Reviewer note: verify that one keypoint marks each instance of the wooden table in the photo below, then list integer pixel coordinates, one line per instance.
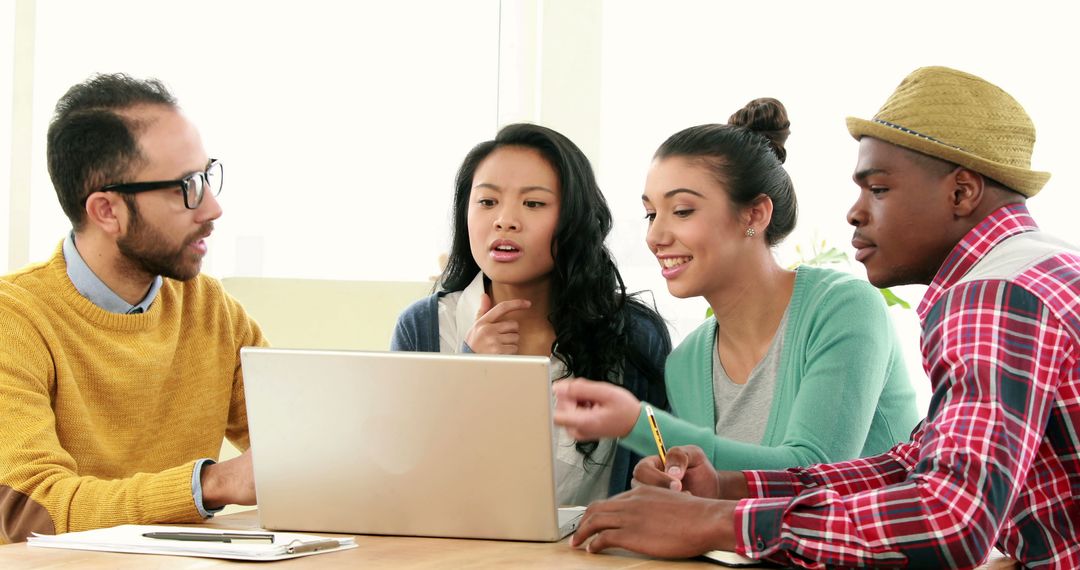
(373, 552)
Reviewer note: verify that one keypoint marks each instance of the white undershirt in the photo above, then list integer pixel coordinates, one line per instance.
(575, 484)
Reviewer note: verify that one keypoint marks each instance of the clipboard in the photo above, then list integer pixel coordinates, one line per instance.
(734, 560)
(130, 539)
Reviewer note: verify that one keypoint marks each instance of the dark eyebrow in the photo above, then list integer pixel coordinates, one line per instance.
(674, 192)
(538, 188)
(524, 189)
(864, 174)
(194, 172)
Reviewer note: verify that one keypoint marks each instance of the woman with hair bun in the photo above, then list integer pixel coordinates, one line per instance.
(794, 367)
(528, 273)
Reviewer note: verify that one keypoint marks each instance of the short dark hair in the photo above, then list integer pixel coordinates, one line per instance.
(90, 142)
(940, 167)
(747, 157)
(932, 164)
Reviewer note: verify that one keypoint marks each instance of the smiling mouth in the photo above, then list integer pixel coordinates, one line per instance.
(669, 262)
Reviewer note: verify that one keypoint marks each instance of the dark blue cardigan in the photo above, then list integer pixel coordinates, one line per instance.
(417, 330)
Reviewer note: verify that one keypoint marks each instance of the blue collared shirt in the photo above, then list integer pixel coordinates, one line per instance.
(97, 292)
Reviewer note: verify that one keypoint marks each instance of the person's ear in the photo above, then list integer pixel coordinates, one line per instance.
(758, 214)
(969, 189)
(107, 211)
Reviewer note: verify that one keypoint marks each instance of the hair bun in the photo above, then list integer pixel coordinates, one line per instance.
(767, 117)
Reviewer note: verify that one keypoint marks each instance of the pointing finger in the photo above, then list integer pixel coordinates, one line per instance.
(502, 309)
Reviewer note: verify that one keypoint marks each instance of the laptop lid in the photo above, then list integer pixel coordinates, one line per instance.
(402, 443)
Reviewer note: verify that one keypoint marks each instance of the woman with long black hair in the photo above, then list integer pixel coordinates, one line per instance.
(528, 273)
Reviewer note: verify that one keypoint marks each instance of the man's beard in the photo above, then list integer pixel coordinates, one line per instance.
(148, 251)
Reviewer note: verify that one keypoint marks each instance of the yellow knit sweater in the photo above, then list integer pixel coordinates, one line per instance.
(103, 415)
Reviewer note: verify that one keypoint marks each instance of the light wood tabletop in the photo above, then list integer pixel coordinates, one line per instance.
(373, 552)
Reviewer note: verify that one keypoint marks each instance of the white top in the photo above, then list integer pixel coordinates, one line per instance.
(575, 483)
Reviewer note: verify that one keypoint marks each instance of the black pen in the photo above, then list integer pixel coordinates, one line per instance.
(210, 536)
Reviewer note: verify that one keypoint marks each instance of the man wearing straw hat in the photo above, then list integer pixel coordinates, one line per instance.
(943, 175)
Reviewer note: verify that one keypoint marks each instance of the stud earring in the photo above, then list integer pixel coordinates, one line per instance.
(751, 232)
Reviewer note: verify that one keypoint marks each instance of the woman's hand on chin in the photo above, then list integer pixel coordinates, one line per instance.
(495, 330)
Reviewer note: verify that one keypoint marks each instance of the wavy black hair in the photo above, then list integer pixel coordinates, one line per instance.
(747, 157)
(591, 312)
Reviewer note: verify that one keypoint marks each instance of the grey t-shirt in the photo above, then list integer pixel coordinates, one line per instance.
(742, 410)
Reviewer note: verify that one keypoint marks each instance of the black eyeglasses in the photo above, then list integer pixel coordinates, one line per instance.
(194, 185)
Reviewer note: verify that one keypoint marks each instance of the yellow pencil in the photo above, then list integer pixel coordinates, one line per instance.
(656, 436)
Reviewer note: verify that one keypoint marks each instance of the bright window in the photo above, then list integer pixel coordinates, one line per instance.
(340, 124)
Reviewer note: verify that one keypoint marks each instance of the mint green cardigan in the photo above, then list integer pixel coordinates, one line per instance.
(843, 390)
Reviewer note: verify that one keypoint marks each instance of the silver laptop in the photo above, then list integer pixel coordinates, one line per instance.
(403, 443)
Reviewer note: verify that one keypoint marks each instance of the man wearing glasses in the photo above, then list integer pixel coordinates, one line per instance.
(119, 362)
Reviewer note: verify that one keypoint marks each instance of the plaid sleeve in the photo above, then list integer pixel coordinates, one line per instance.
(997, 355)
(847, 477)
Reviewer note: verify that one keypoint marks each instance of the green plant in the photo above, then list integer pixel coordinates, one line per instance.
(821, 254)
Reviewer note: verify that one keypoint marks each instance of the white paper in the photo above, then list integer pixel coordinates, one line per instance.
(129, 538)
(728, 558)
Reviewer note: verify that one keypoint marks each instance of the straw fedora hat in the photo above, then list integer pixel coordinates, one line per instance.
(961, 118)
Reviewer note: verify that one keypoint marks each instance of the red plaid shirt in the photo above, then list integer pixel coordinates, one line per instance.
(996, 461)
